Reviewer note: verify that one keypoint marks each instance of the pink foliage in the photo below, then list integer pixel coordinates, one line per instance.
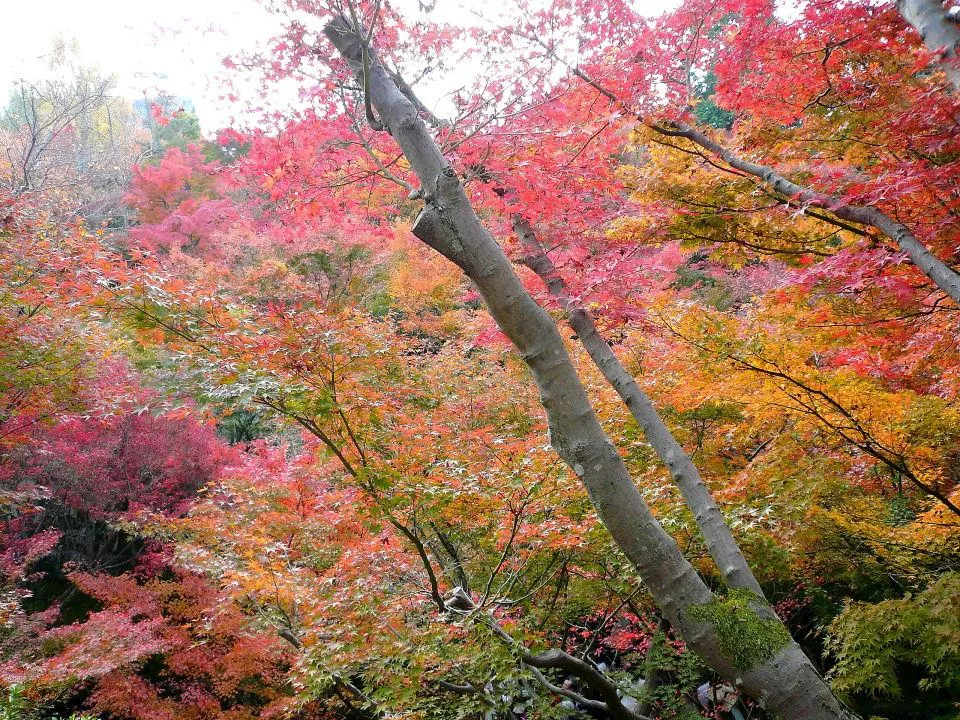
(119, 465)
(180, 203)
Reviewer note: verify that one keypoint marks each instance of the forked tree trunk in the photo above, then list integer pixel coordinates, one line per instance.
(741, 638)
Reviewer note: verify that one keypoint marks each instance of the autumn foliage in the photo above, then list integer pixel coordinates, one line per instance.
(263, 454)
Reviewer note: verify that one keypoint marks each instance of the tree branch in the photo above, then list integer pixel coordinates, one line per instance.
(933, 267)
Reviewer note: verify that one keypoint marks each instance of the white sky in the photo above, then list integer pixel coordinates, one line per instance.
(174, 46)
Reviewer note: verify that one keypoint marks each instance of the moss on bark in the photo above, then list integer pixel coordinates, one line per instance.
(746, 638)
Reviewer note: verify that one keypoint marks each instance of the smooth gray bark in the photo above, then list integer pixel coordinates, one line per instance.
(939, 33)
(786, 683)
(716, 533)
(933, 267)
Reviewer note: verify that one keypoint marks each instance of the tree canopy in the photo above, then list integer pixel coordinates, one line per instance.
(550, 360)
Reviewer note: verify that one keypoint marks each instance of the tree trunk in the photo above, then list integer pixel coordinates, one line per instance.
(939, 33)
(720, 542)
(776, 672)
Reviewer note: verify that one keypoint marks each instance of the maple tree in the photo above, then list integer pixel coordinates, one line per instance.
(264, 454)
(44, 356)
(449, 225)
(397, 106)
